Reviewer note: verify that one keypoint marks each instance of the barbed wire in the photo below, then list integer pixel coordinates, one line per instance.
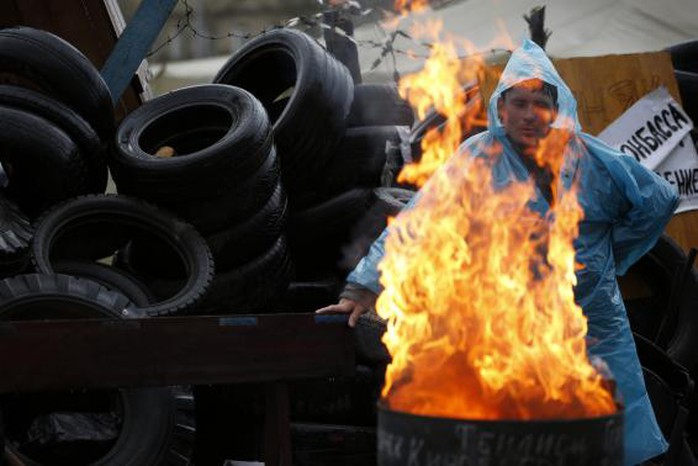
(351, 8)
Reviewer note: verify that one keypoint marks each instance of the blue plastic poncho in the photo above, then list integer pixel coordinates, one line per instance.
(626, 207)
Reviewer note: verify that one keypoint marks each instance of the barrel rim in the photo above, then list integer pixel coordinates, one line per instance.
(618, 415)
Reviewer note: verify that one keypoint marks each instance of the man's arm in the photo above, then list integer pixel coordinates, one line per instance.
(651, 203)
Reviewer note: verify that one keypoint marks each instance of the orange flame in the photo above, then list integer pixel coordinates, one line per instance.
(405, 6)
(477, 287)
(447, 84)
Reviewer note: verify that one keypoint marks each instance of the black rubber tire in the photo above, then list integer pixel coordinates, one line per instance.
(386, 202)
(16, 232)
(152, 425)
(379, 105)
(245, 241)
(87, 141)
(656, 271)
(220, 134)
(111, 278)
(350, 399)
(669, 386)
(233, 206)
(41, 170)
(368, 333)
(61, 71)
(358, 161)
(684, 55)
(94, 227)
(688, 88)
(390, 201)
(433, 121)
(318, 234)
(311, 125)
(43, 296)
(255, 287)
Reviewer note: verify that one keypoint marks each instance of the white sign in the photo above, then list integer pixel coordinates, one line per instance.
(650, 129)
(680, 168)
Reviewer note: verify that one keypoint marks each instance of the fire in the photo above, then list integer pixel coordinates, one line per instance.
(478, 288)
(405, 6)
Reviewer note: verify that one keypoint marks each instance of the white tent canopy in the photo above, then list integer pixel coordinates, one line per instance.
(579, 28)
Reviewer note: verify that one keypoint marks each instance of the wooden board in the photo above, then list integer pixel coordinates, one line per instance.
(106, 353)
(607, 86)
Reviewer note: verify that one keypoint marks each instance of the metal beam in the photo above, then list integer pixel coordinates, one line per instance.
(134, 44)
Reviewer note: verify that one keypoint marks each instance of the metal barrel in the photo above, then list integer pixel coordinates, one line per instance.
(407, 439)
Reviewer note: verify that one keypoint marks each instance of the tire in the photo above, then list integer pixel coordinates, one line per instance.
(435, 121)
(379, 105)
(233, 206)
(310, 127)
(15, 235)
(684, 56)
(87, 141)
(358, 161)
(41, 170)
(110, 278)
(370, 349)
(349, 400)
(220, 134)
(243, 242)
(688, 88)
(61, 71)
(257, 286)
(317, 234)
(656, 271)
(386, 202)
(390, 201)
(148, 432)
(60, 296)
(94, 227)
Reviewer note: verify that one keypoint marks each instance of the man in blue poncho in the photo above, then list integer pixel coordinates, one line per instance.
(626, 207)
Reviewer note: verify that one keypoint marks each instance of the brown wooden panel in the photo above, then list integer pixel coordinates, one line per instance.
(172, 351)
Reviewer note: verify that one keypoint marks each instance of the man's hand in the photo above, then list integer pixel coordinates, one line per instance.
(345, 306)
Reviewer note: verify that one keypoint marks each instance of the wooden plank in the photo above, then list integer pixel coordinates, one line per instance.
(277, 427)
(173, 350)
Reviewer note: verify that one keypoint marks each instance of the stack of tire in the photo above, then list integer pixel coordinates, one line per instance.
(333, 140)
(206, 153)
(684, 57)
(56, 120)
(111, 427)
(56, 125)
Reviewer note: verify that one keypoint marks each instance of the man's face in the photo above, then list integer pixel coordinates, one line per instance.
(526, 114)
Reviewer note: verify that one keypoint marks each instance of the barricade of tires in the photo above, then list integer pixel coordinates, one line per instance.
(219, 172)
